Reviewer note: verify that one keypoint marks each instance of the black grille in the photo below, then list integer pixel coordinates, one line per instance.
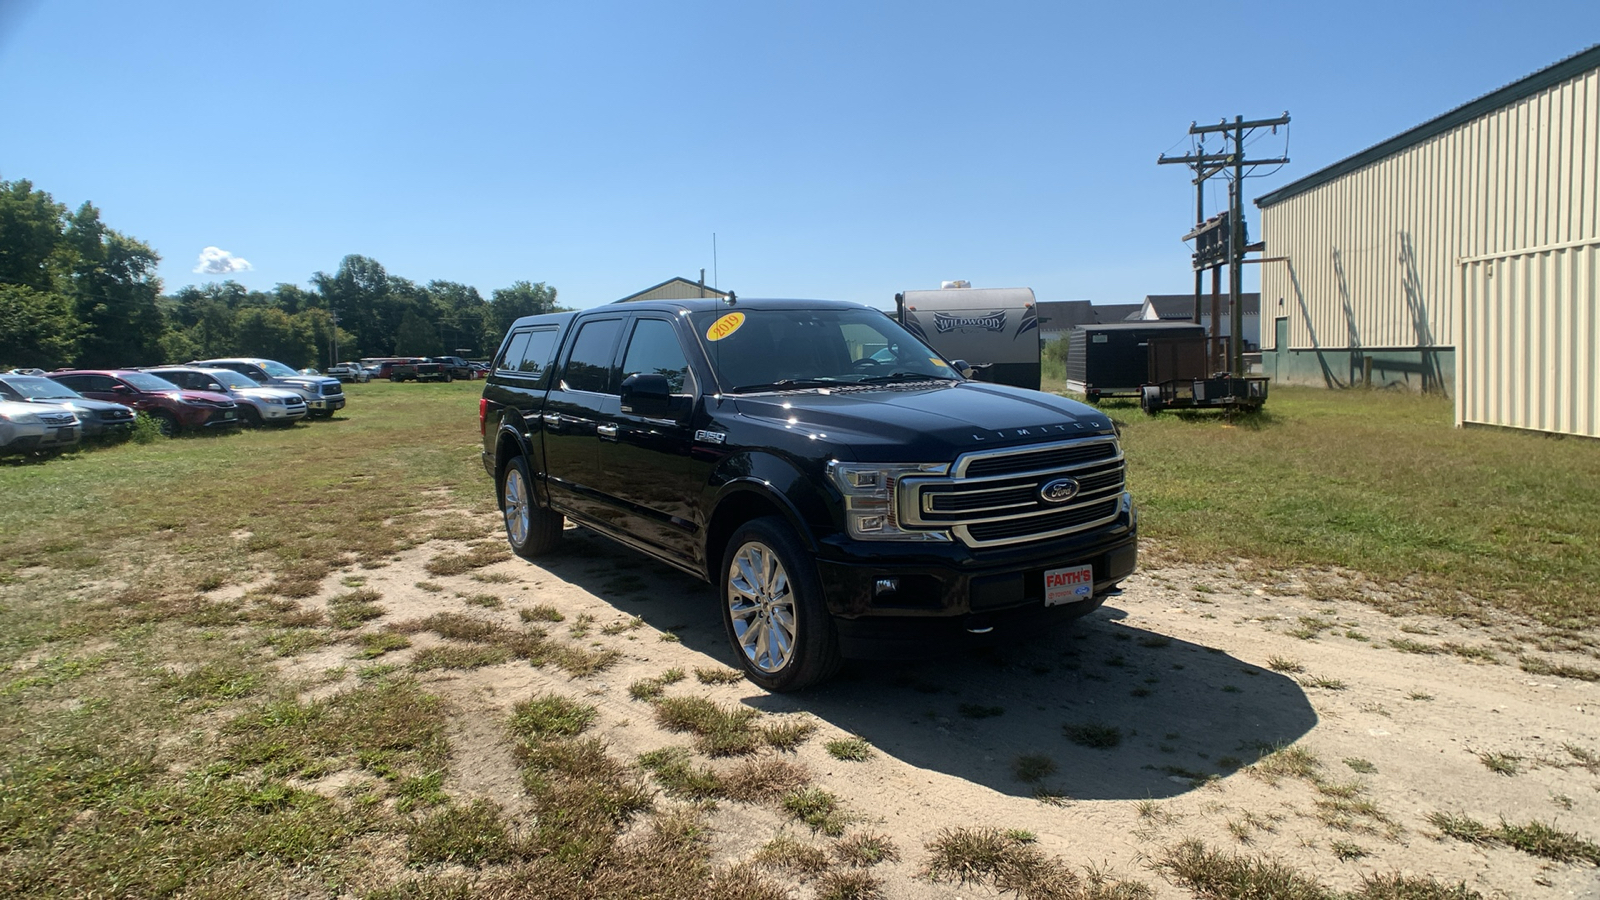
(1013, 528)
(1055, 458)
(949, 502)
(963, 497)
(329, 390)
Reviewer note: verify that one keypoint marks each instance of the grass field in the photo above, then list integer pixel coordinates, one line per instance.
(149, 746)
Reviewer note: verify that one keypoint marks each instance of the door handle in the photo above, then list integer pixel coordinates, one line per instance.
(606, 432)
(551, 418)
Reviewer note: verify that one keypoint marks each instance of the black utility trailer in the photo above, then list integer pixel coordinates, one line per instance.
(1178, 380)
(1113, 360)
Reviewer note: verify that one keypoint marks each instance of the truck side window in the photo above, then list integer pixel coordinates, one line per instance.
(589, 363)
(535, 363)
(654, 350)
(511, 360)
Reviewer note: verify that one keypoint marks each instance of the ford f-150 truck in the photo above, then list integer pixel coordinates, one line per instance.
(847, 490)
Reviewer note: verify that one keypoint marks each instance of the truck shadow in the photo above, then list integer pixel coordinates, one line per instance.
(1096, 710)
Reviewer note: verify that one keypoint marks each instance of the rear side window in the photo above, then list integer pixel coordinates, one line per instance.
(589, 364)
(511, 360)
(528, 354)
(654, 349)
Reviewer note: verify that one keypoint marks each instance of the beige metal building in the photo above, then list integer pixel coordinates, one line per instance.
(1462, 255)
(676, 289)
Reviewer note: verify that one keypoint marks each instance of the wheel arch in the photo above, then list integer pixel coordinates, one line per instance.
(741, 502)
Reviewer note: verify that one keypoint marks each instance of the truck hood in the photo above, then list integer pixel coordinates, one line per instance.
(881, 425)
(309, 381)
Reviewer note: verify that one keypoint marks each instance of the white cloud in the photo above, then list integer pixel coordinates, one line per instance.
(217, 261)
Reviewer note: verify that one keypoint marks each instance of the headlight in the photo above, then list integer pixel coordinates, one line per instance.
(21, 418)
(275, 401)
(869, 498)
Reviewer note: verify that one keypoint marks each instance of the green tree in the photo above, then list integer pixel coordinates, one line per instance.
(114, 289)
(360, 293)
(37, 328)
(512, 303)
(416, 336)
(272, 333)
(31, 237)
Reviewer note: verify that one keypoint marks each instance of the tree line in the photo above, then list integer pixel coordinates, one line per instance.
(74, 292)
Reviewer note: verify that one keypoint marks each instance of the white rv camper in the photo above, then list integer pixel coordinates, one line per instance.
(994, 330)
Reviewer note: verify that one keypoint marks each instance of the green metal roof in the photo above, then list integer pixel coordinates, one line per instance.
(1568, 68)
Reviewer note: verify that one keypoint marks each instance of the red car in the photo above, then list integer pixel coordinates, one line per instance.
(173, 408)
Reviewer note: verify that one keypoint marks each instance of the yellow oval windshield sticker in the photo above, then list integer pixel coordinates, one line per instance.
(725, 326)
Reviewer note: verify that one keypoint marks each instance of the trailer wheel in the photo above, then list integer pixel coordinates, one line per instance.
(1150, 399)
(1093, 398)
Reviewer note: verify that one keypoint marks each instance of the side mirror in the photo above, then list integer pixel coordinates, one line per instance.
(962, 367)
(646, 395)
(213, 386)
(121, 389)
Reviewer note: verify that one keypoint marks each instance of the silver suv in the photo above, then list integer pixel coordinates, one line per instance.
(324, 396)
(258, 405)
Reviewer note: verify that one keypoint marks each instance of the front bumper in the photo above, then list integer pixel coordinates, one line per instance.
(23, 438)
(272, 413)
(222, 418)
(325, 404)
(947, 593)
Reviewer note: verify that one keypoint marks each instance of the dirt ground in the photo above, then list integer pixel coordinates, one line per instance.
(1195, 672)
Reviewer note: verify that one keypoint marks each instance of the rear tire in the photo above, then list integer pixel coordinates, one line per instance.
(251, 417)
(772, 609)
(166, 423)
(530, 530)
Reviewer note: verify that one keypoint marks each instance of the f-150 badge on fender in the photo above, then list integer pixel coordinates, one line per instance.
(710, 437)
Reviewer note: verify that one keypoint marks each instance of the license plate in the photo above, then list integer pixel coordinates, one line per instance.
(228, 414)
(1069, 585)
(64, 433)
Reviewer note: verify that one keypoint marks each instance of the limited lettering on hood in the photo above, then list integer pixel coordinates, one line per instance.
(1050, 430)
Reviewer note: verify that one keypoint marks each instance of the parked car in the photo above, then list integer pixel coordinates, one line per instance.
(30, 428)
(324, 396)
(173, 408)
(384, 366)
(349, 371)
(257, 405)
(844, 505)
(98, 418)
(454, 366)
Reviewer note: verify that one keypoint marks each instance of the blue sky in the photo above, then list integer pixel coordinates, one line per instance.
(844, 150)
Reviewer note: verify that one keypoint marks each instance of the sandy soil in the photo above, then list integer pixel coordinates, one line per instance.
(1182, 665)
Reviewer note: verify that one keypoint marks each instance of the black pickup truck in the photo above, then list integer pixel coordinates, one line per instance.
(849, 492)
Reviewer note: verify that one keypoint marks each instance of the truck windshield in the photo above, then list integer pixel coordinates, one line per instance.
(778, 349)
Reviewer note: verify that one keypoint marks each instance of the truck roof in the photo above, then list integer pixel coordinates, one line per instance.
(695, 305)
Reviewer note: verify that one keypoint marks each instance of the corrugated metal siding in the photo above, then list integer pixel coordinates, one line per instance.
(677, 290)
(1529, 335)
(1372, 255)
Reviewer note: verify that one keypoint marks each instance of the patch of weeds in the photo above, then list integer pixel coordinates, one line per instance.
(1347, 850)
(668, 637)
(461, 563)
(653, 688)
(295, 641)
(1230, 689)
(492, 577)
(1477, 654)
(1285, 665)
(618, 627)
(1021, 836)
(376, 672)
(1584, 757)
(1419, 695)
(1151, 811)
(376, 644)
(1415, 629)
(1204, 589)
(677, 774)
(787, 853)
(1360, 765)
(1535, 838)
(819, 809)
(1407, 645)
(1533, 665)
(1561, 800)
(851, 749)
(789, 733)
(1288, 762)
(1093, 735)
(581, 662)
(978, 711)
(990, 856)
(718, 676)
(1032, 768)
(421, 790)
(1342, 808)
(458, 656)
(487, 601)
(1140, 692)
(865, 849)
(543, 612)
(1212, 873)
(1051, 796)
(213, 682)
(471, 836)
(1396, 886)
(1501, 763)
(550, 715)
(850, 884)
(348, 611)
(580, 626)
(718, 731)
(1326, 684)
(1117, 661)
(765, 778)
(1311, 627)
(1154, 640)
(432, 587)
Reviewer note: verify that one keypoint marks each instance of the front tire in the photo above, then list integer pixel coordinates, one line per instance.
(166, 423)
(530, 530)
(772, 609)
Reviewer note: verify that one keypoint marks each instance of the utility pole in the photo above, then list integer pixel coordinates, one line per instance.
(1225, 235)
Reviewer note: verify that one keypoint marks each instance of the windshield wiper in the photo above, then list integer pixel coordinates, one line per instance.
(784, 385)
(904, 376)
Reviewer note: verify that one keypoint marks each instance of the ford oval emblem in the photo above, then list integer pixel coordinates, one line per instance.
(1059, 491)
